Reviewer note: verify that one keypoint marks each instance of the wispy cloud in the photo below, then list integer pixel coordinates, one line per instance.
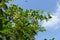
(54, 20)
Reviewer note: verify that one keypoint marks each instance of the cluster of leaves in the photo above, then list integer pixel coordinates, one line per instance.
(19, 24)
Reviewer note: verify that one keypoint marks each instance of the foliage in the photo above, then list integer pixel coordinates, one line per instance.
(17, 24)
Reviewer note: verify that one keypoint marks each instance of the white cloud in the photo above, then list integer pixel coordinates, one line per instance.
(57, 12)
(54, 20)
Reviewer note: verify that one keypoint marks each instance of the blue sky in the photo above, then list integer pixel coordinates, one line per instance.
(53, 25)
(47, 5)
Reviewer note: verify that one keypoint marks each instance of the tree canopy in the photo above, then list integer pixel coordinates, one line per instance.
(19, 24)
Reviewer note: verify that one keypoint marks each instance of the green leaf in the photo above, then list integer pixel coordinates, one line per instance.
(42, 29)
(1, 24)
(52, 38)
(45, 18)
(1, 12)
(45, 39)
(41, 17)
(49, 16)
(14, 7)
(20, 9)
(5, 7)
(0, 1)
(36, 11)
